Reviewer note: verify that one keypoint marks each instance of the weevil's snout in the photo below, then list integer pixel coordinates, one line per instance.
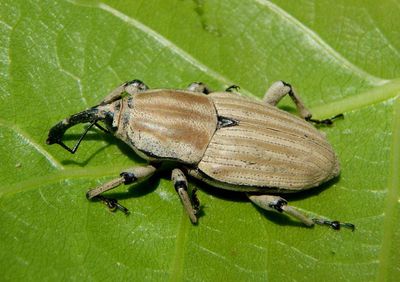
(50, 141)
(57, 132)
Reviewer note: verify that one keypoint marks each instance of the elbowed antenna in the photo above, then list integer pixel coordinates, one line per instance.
(57, 131)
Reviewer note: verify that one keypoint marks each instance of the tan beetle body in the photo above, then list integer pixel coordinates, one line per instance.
(267, 149)
(224, 139)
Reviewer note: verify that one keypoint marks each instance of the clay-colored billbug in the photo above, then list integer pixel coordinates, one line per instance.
(221, 138)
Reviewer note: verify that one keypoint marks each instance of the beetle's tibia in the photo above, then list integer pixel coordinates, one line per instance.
(104, 187)
(190, 202)
(280, 89)
(297, 214)
(276, 203)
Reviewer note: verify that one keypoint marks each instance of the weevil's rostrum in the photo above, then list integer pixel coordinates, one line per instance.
(221, 138)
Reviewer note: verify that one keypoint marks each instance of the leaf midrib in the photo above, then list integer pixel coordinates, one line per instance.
(375, 95)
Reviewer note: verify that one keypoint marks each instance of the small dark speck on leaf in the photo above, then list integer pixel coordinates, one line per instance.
(199, 9)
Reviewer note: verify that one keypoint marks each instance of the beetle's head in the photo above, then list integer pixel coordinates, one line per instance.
(107, 112)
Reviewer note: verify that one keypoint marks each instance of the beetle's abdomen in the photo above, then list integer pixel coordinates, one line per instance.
(172, 124)
(268, 148)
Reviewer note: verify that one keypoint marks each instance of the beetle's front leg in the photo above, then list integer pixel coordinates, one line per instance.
(130, 87)
(276, 203)
(280, 89)
(132, 175)
(189, 200)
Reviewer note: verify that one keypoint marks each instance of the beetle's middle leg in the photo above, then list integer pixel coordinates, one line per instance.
(280, 89)
(189, 199)
(199, 87)
(276, 203)
(129, 176)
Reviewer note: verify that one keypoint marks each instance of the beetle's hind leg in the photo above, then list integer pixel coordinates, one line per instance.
(280, 89)
(188, 198)
(129, 176)
(278, 204)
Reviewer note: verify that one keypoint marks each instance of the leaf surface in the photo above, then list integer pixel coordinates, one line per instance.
(59, 57)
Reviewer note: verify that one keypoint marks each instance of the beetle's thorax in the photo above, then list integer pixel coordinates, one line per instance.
(166, 124)
(109, 114)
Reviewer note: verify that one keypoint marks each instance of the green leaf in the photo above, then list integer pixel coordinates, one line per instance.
(59, 57)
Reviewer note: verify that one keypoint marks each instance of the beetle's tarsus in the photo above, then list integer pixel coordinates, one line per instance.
(328, 121)
(232, 87)
(336, 225)
(317, 121)
(195, 201)
(113, 204)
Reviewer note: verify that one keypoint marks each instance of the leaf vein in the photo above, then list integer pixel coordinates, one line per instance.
(170, 45)
(29, 140)
(389, 226)
(316, 41)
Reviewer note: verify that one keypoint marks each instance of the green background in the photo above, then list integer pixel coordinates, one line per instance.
(60, 57)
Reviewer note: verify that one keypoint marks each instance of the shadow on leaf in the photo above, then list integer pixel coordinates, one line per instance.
(110, 139)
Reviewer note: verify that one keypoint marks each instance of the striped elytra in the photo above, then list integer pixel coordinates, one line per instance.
(269, 148)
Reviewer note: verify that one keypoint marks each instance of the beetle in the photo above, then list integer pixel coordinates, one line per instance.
(224, 139)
